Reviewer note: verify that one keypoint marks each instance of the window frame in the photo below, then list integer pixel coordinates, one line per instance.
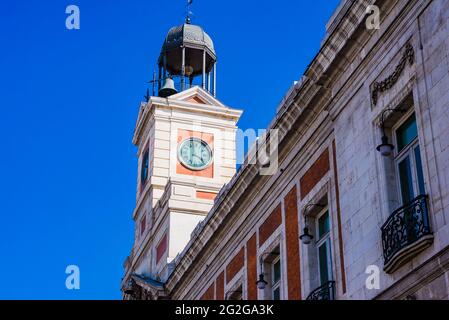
(326, 238)
(407, 151)
(143, 225)
(278, 284)
(145, 159)
(235, 293)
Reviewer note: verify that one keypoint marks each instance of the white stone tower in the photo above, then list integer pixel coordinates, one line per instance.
(186, 151)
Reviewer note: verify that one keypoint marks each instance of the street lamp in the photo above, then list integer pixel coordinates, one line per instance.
(307, 237)
(262, 283)
(386, 148)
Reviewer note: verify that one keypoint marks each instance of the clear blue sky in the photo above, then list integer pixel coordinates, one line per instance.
(69, 102)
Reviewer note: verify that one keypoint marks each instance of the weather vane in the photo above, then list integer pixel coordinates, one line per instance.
(189, 13)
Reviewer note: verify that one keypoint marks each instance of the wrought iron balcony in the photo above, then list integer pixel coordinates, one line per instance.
(406, 233)
(325, 292)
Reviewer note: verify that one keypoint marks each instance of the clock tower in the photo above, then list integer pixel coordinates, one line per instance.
(186, 153)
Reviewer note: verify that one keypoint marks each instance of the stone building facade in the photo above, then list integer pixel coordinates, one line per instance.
(378, 221)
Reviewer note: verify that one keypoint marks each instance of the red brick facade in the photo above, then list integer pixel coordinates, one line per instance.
(315, 174)
(249, 253)
(210, 293)
(219, 287)
(270, 225)
(235, 265)
(292, 245)
(251, 267)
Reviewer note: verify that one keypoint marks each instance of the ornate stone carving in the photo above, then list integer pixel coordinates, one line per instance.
(390, 81)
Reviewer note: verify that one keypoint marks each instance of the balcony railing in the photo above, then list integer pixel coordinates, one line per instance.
(325, 292)
(406, 232)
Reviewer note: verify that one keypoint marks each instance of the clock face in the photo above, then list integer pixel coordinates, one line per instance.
(195, 154)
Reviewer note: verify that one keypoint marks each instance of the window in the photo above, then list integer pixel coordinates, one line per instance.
(408, 161)
(235, 295)
(324, 247)
(276, 279)
(143, 224)
(407, 231)
(145, 167)
(161, 249)
(271, 268)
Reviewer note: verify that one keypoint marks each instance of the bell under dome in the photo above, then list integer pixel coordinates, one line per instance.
(198, 46)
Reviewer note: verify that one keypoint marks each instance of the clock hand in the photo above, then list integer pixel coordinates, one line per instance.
(196, 160)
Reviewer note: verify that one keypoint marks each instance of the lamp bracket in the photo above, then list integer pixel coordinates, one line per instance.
(310, 205)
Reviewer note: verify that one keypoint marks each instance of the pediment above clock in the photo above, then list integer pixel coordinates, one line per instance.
(195, 99)
(197, 95)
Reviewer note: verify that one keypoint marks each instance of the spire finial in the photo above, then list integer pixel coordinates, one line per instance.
(188, 12)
